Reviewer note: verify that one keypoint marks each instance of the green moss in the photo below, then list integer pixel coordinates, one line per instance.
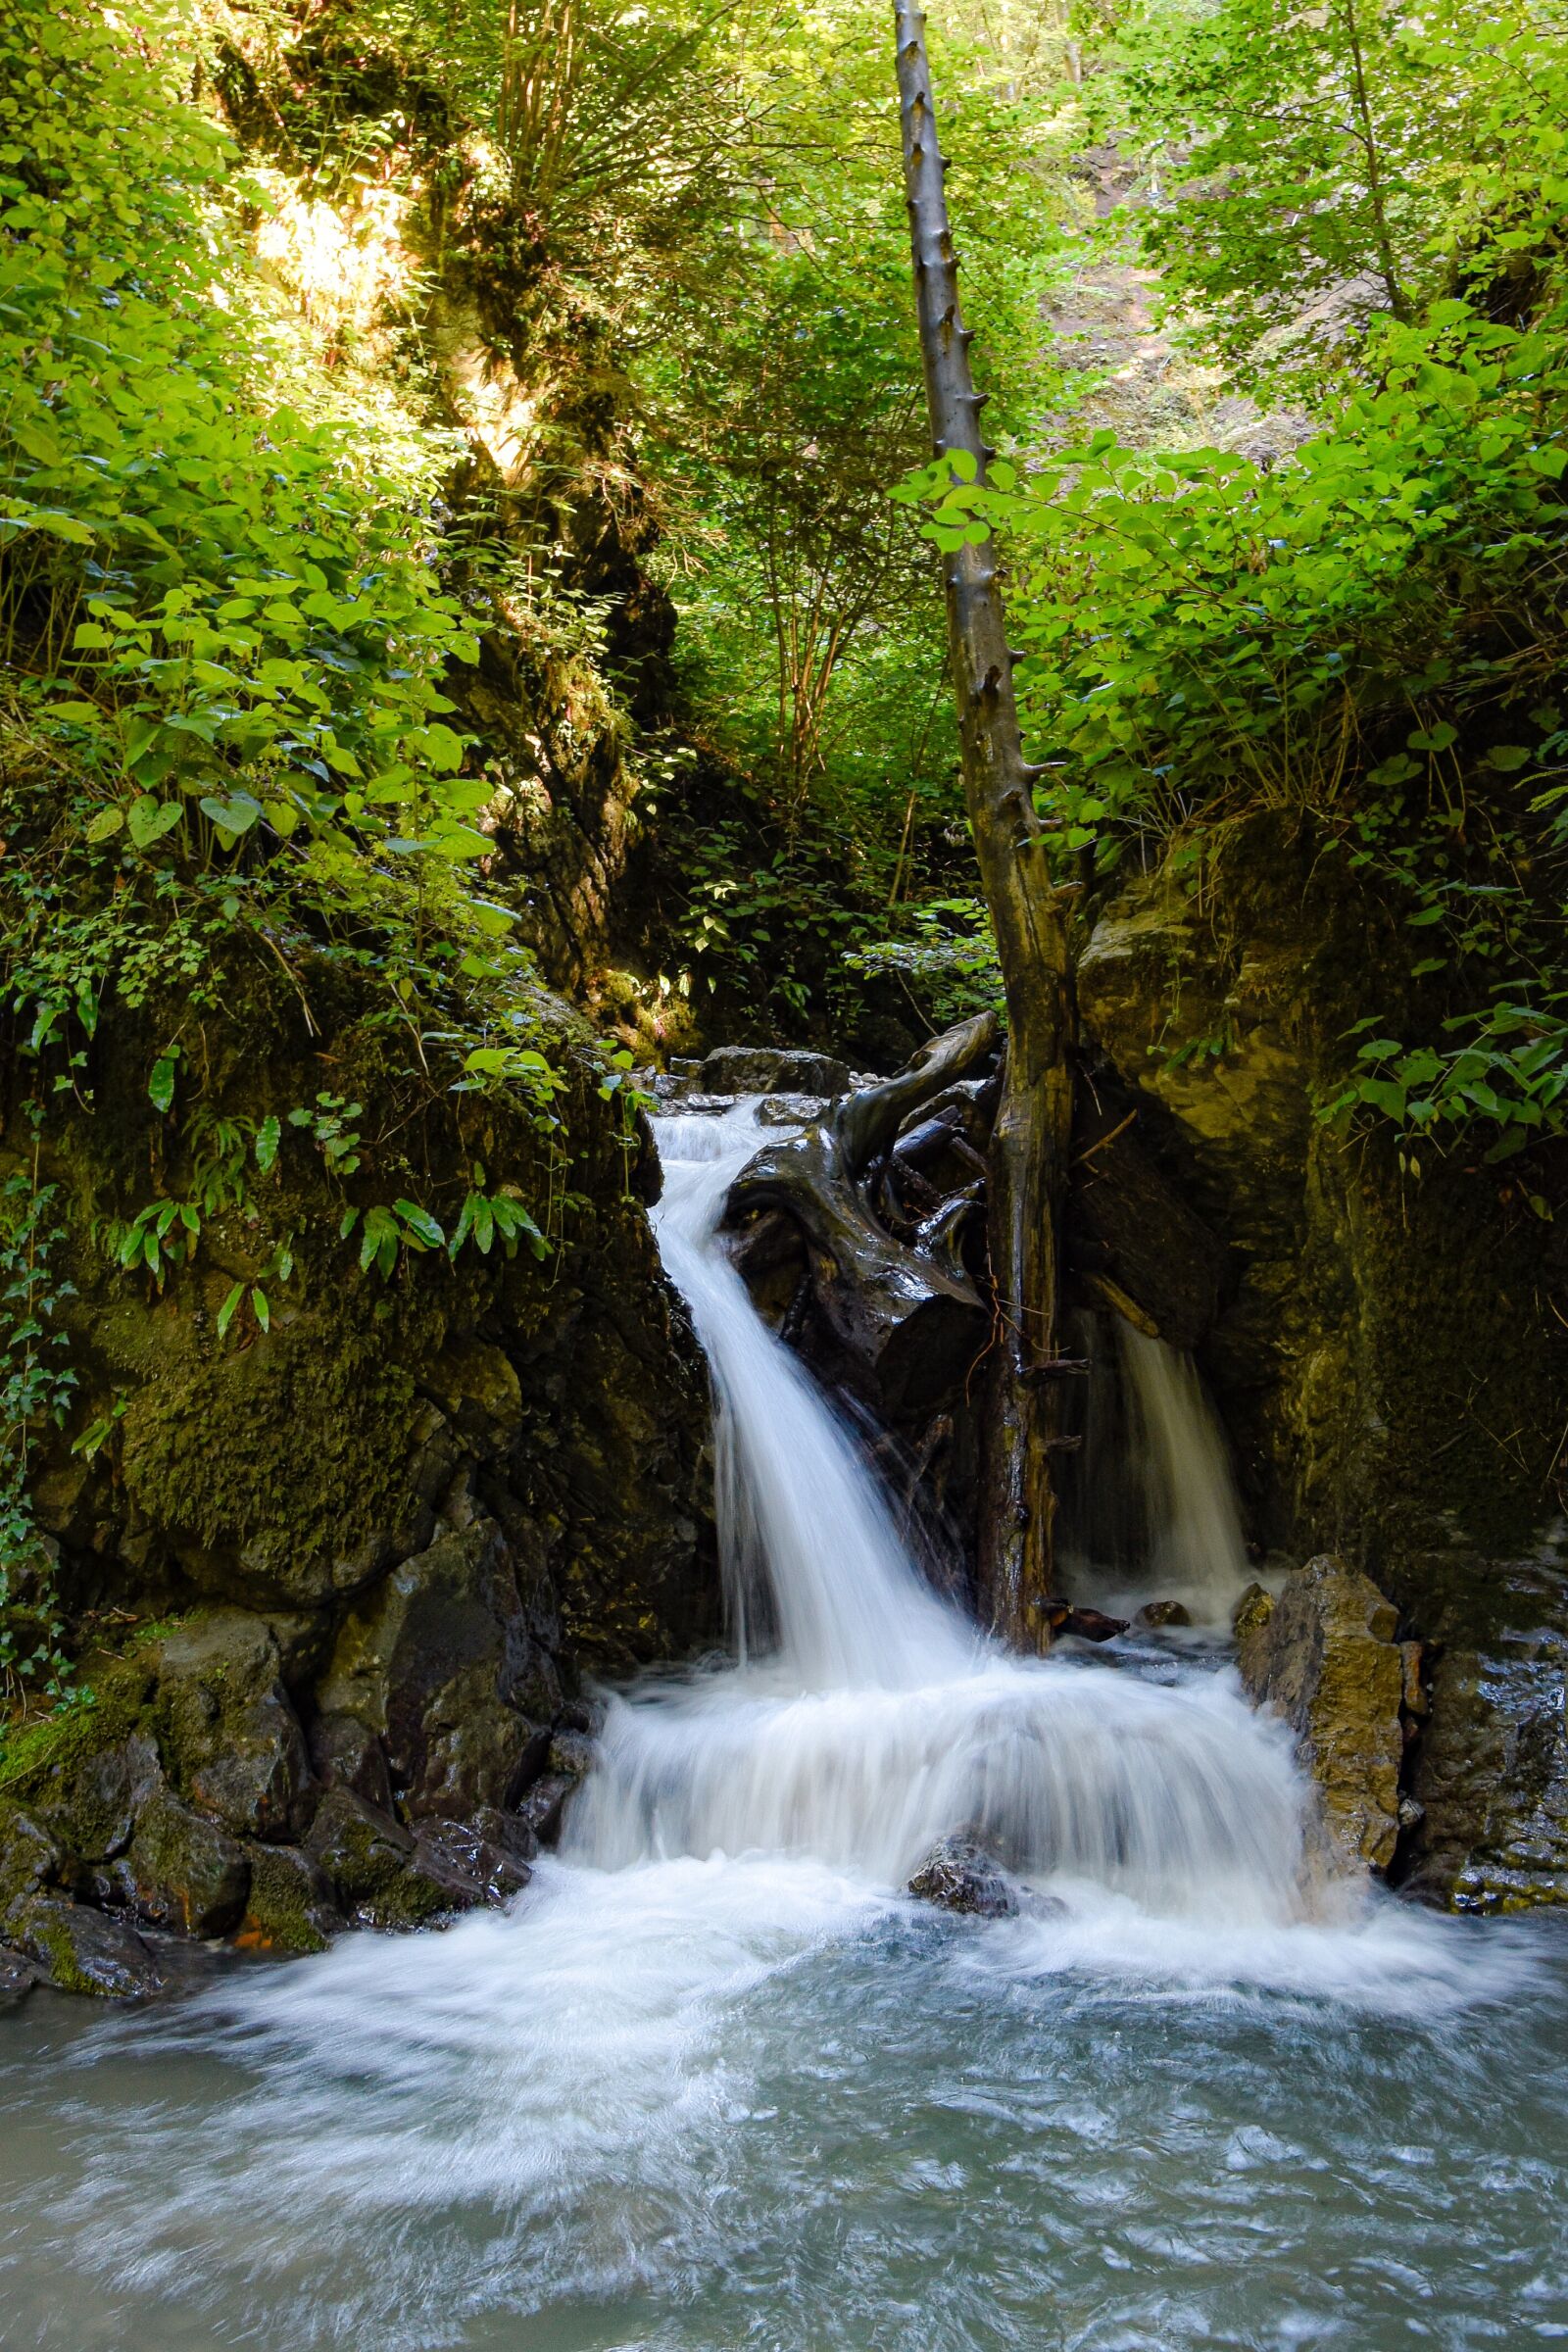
(300, 1446)
(68, 1737)
(59, 1954)
(284, 1912)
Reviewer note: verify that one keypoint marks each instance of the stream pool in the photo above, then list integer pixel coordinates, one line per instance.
(701, 2106)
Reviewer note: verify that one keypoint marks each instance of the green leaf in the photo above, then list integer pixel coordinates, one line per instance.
(420, 1222)
(161, 1085)
(1385, 1095)
(150, 818)
(225, 1313)
(233, 816)
(260, 1307)
(106, 824)
(268, 1137)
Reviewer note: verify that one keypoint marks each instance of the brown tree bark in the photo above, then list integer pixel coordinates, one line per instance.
(1030, 1151)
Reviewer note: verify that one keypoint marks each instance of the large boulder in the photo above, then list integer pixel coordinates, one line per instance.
(227, 1728)
(446, 1668)
(1325, 1657)
(773, 1070)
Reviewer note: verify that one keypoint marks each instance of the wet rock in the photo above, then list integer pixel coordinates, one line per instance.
(93, 1813)
(1063, 1617)
(231, 1741)
(345, 1754)
(572, 1753)
(291, 1905)
(1353, 1294)
(29, 1861)
(382, 1873)
(1128, 1225)
(543, 1806)
(18, 1975)
(441, 1666)
(1254, 1608)
(769, 1071)
(961, 1874)
(790, 1110)
(490, 1854)
(1163, 1612)
(1326, 1658)
(181, 1871)
(360, 1848)
(79, 1951)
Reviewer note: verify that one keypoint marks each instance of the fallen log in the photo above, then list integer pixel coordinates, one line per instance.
(905, 1313)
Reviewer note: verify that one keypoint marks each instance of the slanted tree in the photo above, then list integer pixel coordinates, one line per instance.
(1028, 916)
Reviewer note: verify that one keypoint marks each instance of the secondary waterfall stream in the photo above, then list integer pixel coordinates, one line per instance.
(714, 2082)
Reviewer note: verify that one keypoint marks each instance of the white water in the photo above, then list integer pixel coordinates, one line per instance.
(714, 2080)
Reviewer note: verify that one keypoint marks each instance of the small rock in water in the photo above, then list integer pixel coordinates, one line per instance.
(1163, 1612)
(1090, 1625)
(17, 1975)
(1254, 1608)
(960, 1873)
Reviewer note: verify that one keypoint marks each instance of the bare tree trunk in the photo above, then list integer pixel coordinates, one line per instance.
(1029, 1155)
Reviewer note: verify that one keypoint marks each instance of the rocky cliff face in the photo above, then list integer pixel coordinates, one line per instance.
(1383, 1345)
(334, 1585)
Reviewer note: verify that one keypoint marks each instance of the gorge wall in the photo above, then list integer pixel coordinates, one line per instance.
(1384, 1345)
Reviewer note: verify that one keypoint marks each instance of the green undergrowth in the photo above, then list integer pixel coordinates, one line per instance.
(232, 605)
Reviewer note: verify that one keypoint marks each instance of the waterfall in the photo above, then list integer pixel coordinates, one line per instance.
(876, 1719)
(1149, 1506)
(713, 2068)
(1196, 1555)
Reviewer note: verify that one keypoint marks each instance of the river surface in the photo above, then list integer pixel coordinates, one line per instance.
(713, 2083)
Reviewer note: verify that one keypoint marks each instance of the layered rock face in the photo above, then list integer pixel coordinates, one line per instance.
(1381, 1342)
(1325, 1656)
(333, 1587)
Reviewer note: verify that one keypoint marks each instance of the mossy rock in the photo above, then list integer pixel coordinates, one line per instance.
(47, 1755)
(290, 1908)
(183, 1871)
(81, 1951)
(290, 1475)
(229, 1737)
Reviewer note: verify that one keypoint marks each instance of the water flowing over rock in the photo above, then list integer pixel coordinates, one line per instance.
(865, 1716)
(1381, 1348)
(960, 1873)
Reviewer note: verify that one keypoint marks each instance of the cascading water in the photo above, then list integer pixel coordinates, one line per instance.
(881, 1721)
(713, 2083)
(1196, 1556)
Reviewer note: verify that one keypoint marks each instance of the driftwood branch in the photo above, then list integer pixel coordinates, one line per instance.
(900, 1308)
